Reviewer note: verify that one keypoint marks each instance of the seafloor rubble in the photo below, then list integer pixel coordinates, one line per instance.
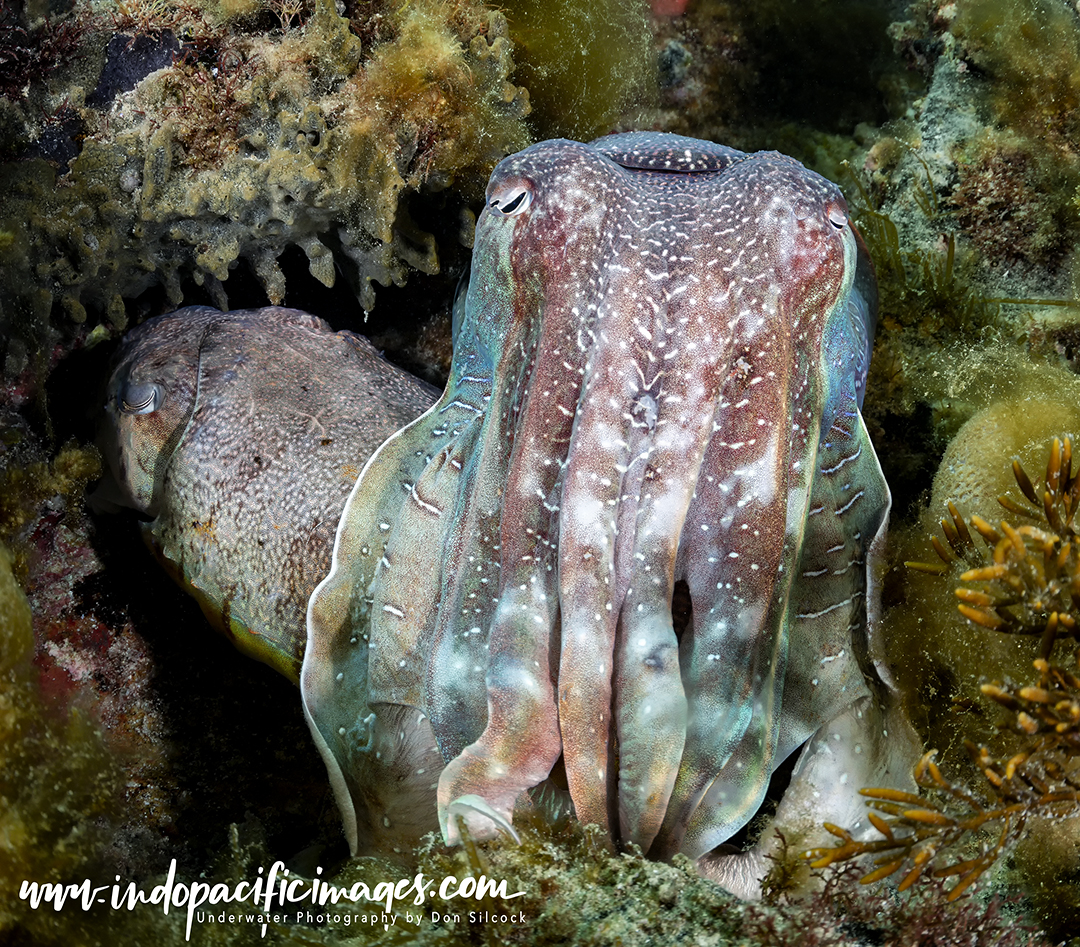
(331, 156)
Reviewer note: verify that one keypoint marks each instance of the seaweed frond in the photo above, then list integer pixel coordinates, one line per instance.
(925, 288)
(1031, 583)
(154, 17)
(29, 55)
(1048, 713)
(924, 834)
(960, 542)
(1026, 580)
(207, 104)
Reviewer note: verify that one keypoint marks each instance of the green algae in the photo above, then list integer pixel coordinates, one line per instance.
(252, 142)
(23, 489)
(1019, 180)
(1031, 51)
(589, 67)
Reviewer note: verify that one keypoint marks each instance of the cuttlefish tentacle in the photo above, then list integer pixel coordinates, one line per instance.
(744, 544)
(520, 740)
(631, 469)
(827, 663)
(650, 701)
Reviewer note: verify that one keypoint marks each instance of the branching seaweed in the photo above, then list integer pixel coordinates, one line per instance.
(155, 17)
(208, 104)
(1032, 584)
(923, 833)
(924, 288)
(29, 56)
(1031, 587)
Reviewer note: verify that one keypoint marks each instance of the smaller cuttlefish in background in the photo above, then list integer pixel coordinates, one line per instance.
(238, 436)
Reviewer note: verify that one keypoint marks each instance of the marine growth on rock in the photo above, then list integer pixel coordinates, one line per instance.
(213, 143)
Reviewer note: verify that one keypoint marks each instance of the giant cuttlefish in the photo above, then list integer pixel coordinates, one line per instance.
(238, 437)
(655, 394)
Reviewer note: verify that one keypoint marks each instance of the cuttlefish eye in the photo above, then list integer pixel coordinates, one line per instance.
(511, 200)
(141, 399)
(837, 216)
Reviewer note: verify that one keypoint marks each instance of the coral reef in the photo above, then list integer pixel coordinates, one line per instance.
(1013, 200)
(966, 200)
(997, 128)
(1028, 50)
(968, 205)
(1027, 54)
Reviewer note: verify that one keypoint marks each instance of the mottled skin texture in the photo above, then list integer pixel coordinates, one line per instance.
(657, 375)
(239, 436)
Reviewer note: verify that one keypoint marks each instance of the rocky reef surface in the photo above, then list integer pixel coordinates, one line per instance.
(331, 156)
(180, 140)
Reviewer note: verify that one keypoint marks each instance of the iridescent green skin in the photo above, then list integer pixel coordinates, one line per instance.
(239, 437)
(657, 376)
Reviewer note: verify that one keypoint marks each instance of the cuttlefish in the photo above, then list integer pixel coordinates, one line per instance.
(238, 437)
(654, 401)
(655, 393)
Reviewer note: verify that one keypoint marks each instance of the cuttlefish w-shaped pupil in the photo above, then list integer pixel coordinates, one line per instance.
(141, 398)
(514, 201)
